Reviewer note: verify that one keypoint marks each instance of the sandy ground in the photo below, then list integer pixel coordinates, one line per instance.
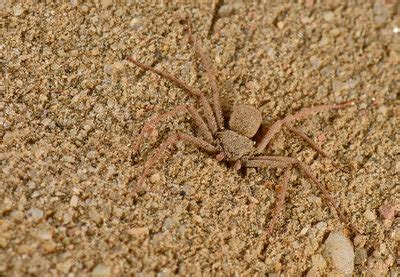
(71, 106)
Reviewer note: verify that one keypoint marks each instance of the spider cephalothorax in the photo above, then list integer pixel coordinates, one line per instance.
(233, 143)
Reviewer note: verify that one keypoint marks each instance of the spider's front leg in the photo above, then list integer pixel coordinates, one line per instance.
(211, 75)
(172, 139)
(150, 125)
(212, 124)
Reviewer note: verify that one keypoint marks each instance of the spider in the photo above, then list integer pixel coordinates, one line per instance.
(233, 143)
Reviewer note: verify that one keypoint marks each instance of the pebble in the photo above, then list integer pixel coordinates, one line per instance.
(95, 216)
(138, 231)
(49, 246)
(321, 226)
(155, 178)
(322, 90)
(44, 234)
(225, 10)
(337, 85)
(382, 110)
(318, 261)
(74, 201)
(35, 213)
(381, 12)
(18, 10)
(324, 41)
(168, 223)
(101, 270)
(360, 256)
(136, 23)
(329, 16)
(3, 242)
(316, 63)
(280, 25)
(118, 67)
(7, 205)
(304, 231)
(65, 266)
(335, 32)
(309, 3)
(108, 68)
(387, 211)
(338, 249)
(106, 3)
(369, 215)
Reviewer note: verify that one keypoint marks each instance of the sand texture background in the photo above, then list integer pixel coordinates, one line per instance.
(71, 106)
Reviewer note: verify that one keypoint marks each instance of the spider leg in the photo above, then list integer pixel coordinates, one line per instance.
(212, 125)
(312, 143)
(147, 128)
(280, 161)
(280, 202)
(210, 70)
(303, 113)
(172, 139)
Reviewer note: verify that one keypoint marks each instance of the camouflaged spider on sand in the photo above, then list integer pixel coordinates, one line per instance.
(234, 143)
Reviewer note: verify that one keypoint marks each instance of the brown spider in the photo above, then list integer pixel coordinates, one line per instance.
(233, 143)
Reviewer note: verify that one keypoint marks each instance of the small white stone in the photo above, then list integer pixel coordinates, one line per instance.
(139, 231)
(155, 178)
(106, 3)
(337, 85)
(108, 68)
(382, 110)
(46, 122)
(44, 234)
(280, 25)
(7, 204)
(168, 223)
(35, 213)
(338, 250)
(321, 225)
(74, 201)
(318, 261)
(304, 231)
(316, 63)
(18, 10)
(369, 215)
(118, 66)
(65, 266)
(324, 41)
(225, 10)
(361, 256)
(271, 53)
(329, 16)
(101, 270)
(136, 23)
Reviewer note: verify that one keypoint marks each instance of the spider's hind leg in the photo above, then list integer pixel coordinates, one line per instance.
(299, 133)
(281, 161)
(280, 201)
